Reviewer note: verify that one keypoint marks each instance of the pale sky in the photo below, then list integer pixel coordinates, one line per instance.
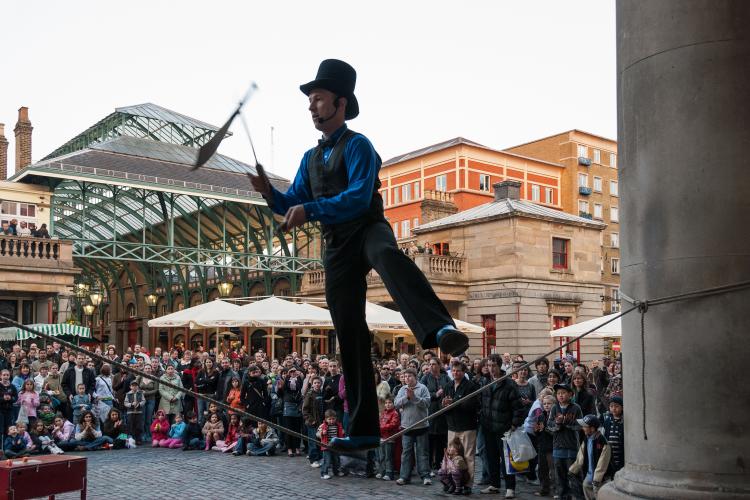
(496, 72)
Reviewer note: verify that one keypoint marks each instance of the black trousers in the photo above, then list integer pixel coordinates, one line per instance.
(493, 446)
(438, 444)
(351, 251)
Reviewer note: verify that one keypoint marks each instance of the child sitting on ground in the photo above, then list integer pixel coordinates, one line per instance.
(213, 430)
(23, 432)
(244, 434)
(176, 431)
(41, 438)
(159, 429)
(263, 441)
(14, 445)
(454, 472)
(192, 439)
(47, 415)
(329, 429)
(227, 444)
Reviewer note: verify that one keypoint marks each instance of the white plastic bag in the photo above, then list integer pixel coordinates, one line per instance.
(520, 445)
(130, 443)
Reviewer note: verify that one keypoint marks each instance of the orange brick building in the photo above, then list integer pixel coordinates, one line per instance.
(589, 189)
(459, 174)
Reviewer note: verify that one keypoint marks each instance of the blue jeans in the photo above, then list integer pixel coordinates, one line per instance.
(269, 449)
(196, 444)
(420, 446)
(313, 450)
(332, 461)
(148, 418)
(93, 445)
(202, 407)
(385, 465)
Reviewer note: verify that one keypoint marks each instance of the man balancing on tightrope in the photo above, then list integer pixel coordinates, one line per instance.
(337, 184)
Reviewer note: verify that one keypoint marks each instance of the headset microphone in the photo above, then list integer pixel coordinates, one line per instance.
(336, 110)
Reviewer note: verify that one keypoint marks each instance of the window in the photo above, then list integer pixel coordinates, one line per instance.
(612, 160)
(615, 303)
(583, 180)
(490, 334)
(10, 208)
(384, 195)
(614, 240)
(441, 183)
(613, 188)
(559, 253)
(615, 266)
(406, 192)
(405, 228)
(484, 182)
(415, 222)
(417, 193)
(597, 156)
(396, 197)
(395, 229)
(614, 214)
(583, 151)
(536, 193)
(549, 196)
(583, 206)
(598, 210)
(598, 184)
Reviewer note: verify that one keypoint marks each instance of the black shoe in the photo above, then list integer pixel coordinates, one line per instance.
(452, 341)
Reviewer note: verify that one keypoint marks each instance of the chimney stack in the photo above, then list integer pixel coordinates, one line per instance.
(507, 190)
(23, 139)
(3, 153)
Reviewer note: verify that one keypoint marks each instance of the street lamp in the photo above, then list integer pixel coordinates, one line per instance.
(88, 309)
(96, 297)
(225, 288)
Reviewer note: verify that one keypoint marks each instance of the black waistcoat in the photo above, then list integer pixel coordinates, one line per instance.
(328, 179)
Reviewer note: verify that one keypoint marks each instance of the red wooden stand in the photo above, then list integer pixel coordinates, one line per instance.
(42, 475)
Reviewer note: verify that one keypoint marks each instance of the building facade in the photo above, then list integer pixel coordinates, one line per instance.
(461, 172)
(590, 189)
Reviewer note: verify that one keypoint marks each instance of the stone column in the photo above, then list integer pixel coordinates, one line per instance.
(683, 133)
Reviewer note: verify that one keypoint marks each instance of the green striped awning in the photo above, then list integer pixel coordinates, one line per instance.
(55, 329)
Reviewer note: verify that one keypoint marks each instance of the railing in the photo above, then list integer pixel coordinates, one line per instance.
(429, 194)
(26, 247)
(443, 264)
(433, 266)
(585, 215)
(582, 160)
(584, 190)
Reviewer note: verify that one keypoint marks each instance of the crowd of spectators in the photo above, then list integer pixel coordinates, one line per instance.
(14, 228)
(53, 401)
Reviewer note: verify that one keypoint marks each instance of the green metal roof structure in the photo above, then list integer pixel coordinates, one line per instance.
(124, 191)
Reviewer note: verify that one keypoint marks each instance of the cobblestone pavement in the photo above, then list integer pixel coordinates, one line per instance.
(148, 473)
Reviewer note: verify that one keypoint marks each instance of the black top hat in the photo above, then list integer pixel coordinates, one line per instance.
(338, 77)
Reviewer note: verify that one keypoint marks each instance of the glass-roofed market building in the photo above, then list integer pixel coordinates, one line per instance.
(154, 236)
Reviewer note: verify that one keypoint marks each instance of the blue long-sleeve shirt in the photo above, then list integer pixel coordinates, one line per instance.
(362, 165)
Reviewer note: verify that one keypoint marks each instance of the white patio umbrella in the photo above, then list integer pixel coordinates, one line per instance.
(381, 318)
(193, 317)
(273, 312)
(610, 330)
